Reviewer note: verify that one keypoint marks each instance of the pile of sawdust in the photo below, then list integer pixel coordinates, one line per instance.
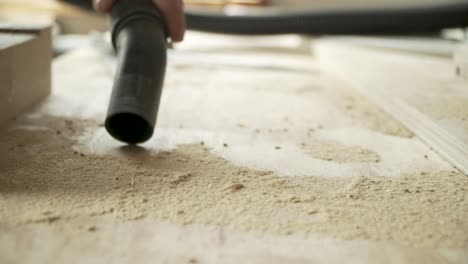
(42, 179)
(334, 151)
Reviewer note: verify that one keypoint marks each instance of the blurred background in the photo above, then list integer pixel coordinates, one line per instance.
(72, 26)
(72, 20)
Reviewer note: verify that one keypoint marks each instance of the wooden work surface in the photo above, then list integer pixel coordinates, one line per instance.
(422, 91)
(269, 159)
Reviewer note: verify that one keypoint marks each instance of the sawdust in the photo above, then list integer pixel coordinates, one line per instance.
(359, 108)
(334, 151)
(42, 179)
(363, 112)
(445, 107)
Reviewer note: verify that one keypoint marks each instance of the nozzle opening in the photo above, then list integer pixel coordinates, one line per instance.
(129, 128)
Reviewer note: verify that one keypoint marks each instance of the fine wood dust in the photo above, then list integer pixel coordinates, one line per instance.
(363, 111)
(43, 180)
(335, 151)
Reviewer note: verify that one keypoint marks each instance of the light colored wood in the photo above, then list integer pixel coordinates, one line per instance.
(422, 45)
(422, 92)
(69, 19)
(461, 60)
(220, 94)
(161, 242)
(25, 68)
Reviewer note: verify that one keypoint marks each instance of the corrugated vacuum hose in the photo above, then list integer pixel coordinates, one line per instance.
(139, 38)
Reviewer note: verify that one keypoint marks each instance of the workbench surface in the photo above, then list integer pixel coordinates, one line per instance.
(259, 156)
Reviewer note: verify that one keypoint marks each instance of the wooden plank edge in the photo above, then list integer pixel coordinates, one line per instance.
(445, 144)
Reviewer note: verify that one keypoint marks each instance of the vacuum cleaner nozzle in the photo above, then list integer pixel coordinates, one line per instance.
(139, 38)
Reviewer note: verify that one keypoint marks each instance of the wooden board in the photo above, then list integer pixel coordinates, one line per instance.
(161, 242)
(421, 91)
(25, 70)
(68, 18)
(413, 45)
(461, 60)
(256, 104)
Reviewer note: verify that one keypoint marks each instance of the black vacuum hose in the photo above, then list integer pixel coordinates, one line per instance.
(423, 19)
(395, 20)
(139, 38)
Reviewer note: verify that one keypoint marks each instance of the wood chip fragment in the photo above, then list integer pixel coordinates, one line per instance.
(235, 187)
(178, 179)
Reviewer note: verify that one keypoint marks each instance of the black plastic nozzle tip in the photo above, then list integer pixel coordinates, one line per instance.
(129, 128)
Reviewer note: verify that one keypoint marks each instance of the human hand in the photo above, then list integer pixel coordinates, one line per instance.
(172, 11)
